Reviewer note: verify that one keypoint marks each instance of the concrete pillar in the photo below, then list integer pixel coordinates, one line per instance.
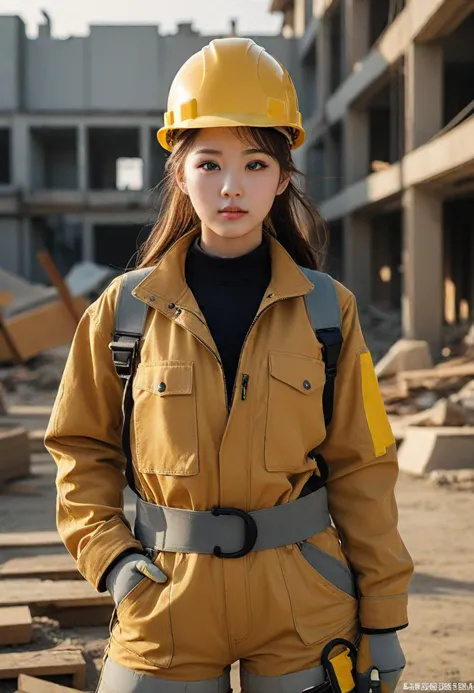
(82, 157)
(26, 245)
(88, 249)
(422, 302)
(423, 93)
(323, 63)
(330, 165)
(356, 145)
(357, 256)
(299, 18)
(145, 154)
(356, 31)
(20, 151)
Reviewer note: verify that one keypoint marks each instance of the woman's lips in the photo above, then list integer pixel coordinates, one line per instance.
(233, 215)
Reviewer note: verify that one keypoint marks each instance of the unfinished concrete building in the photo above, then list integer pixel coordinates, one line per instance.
(388, 106)
(78, 149)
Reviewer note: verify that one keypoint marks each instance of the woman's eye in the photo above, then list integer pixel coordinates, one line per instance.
(251, 164)
(207, 163)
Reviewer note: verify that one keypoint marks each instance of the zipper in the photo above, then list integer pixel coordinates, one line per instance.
(245, 377)
(256, 318)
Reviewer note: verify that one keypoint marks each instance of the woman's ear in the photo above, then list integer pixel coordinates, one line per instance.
(180, 182)
(283, 184)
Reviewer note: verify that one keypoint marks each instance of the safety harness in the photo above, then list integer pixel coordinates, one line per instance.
(172, 529)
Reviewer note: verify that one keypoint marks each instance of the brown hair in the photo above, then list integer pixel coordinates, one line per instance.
(293, 220)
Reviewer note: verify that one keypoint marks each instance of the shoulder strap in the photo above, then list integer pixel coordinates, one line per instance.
(130, 316)
(325, 315)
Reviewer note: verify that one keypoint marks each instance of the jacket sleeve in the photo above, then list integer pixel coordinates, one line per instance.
(361, 454)
(84, 438)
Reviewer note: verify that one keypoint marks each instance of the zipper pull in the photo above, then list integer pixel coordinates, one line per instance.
(245, 382)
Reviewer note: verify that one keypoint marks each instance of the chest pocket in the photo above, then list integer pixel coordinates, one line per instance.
(165, 418)
(295, 419)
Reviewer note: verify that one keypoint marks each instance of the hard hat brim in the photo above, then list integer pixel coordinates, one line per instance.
(230, 120)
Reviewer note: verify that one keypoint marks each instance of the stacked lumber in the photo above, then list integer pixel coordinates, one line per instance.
(44, 585)
(31, 684)
(59, 661)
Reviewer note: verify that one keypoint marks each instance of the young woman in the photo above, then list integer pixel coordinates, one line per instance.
(266, 518)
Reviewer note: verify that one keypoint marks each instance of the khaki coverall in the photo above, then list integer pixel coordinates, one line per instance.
(270, 609)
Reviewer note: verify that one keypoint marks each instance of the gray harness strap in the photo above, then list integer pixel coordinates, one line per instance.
(193, 531)
(235, 533)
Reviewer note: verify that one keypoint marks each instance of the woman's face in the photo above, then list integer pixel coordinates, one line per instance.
(219, 171)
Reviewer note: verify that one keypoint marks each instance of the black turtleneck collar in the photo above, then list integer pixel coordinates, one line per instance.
(254, 266)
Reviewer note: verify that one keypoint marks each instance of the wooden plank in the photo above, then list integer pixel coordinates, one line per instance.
(15, 540)
(16, 625)
(48, 567)
(56, 662)
(15, 355)
(465, 369)
(71, 602)
(6, 297)
(56, 279)
(30, 684)
(41, 328)
(14, 453)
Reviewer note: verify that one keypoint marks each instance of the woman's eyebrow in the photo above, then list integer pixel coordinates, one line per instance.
(216, 151)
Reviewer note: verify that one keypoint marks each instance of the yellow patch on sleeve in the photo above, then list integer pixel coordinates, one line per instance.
(379, 425)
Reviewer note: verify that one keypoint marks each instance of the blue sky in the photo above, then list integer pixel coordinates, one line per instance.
(72, 17)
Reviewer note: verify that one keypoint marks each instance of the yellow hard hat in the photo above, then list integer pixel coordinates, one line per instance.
(232, 82)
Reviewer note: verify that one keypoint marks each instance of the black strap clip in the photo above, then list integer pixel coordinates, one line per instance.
(124, 350)
(251, 532)
(331, 340)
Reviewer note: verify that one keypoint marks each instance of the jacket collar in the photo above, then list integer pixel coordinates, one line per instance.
(166, 283)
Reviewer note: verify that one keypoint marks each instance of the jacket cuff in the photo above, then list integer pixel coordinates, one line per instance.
(113, 538)
(380, 631)
(382, 613)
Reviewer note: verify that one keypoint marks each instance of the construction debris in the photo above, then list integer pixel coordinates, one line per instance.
(457, 480)
(30, 684)
(404, 355)
(440, 447)
(71, 602)
(14, 453)
(16, 625)
(89, 279)
(58, 661)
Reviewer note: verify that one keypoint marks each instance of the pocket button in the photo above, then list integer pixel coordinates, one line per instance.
(307, 385)
(161, 387)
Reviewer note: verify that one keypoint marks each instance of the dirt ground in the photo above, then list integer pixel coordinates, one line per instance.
(436, 523)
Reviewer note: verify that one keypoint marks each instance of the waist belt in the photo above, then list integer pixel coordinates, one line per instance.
(230, 532)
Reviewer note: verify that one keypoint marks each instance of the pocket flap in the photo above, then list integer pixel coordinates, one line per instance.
(304, 373)
(166, 378)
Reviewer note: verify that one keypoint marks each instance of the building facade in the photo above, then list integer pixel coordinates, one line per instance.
(71, 111)
(388, 106)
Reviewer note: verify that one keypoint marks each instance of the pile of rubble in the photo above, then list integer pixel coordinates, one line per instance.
(431, 408)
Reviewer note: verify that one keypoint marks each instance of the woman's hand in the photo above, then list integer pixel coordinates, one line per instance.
(382, 652)
(129, 572)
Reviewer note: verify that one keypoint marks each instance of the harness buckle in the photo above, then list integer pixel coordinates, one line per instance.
(251, 532)
(123, 355)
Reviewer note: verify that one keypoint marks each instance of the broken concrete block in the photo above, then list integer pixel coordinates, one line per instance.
(425, 449)
(444, 413)
(465, 396)
(426, 400)
(458, 480)
(404, 355)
